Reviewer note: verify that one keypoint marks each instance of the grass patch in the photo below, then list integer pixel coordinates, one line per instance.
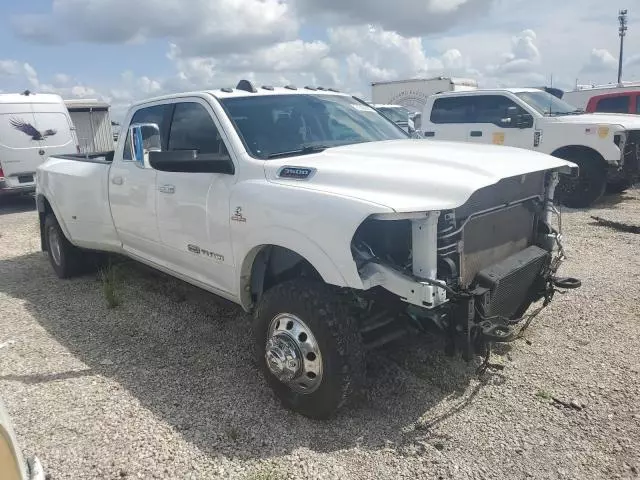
(544, 395)
(110, 279)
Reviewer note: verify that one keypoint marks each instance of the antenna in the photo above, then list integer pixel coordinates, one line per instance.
(622, 31)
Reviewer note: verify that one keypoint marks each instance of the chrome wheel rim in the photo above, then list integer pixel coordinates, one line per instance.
(293, 355)
(54, 245)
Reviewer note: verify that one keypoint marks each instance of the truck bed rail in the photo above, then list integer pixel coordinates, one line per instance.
(95, 157)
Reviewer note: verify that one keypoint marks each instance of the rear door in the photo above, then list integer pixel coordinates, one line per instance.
(193, 208)
(20, 150)
(448, 119)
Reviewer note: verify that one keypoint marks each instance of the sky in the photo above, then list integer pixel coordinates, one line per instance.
(121, 51)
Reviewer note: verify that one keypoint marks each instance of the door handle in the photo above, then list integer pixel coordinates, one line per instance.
(429, 134)
(117, 180)
(476, 133)
(167, 188)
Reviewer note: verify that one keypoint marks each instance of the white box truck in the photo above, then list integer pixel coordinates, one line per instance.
(413, 93)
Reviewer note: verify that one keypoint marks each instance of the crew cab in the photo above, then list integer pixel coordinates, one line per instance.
(322, 218)
(605, 147)
(616, 102)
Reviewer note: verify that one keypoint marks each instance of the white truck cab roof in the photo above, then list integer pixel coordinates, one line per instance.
(265, 90)
(484, 91)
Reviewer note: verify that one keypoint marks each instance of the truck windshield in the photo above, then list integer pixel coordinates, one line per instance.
(548, 104)
(274, 126)
(395, 114)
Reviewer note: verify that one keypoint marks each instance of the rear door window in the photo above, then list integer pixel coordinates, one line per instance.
(452, 110)
(619, 104)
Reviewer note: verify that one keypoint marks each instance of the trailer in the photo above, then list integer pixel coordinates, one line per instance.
(92, 121)
(413, 93)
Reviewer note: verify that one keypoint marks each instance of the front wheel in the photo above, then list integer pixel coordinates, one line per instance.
(588, 188)
(308, 347)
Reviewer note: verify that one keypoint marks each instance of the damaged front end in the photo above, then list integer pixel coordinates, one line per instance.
(473, 271)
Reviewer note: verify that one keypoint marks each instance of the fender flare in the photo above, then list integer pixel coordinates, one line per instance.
(41, 204)
(291, 240)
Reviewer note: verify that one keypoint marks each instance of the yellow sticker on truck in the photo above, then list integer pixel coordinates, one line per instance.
(498, 138)
(603, 132)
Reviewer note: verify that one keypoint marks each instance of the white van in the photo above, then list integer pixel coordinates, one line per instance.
(32, 127)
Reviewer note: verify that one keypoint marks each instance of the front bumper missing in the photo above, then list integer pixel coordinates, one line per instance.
(490, 311)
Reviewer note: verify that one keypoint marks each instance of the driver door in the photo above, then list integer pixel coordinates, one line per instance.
(498, 120)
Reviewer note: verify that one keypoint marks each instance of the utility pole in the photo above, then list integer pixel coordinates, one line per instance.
(622, 18)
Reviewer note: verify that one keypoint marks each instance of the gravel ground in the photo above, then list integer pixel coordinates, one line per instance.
(163, 386)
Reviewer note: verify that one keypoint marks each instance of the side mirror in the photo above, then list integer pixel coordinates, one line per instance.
(525, 120)
(144, 138)
(190, 161)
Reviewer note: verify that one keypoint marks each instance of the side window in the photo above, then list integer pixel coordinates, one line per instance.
(451, 110)
(155, 114)
(637, 103)
(614, 104)
(192, 128)
(492, 109)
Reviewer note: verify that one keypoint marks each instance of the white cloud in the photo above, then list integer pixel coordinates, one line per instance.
(524, 56)
(61, 79)
(9, 67)
(201, 27)
(600, 61)
(407, 17)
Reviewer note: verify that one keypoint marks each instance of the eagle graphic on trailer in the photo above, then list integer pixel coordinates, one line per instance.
(30, 130)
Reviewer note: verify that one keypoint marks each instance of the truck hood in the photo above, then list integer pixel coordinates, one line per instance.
(626, 120)
(411, 175)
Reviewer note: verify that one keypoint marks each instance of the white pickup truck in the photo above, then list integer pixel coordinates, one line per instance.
(321, 217)
(606, 147)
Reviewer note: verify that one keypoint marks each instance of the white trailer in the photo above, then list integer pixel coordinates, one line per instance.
(93, 124)
(413, 93)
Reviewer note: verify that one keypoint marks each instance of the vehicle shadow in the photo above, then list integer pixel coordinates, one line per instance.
(17, 204)
(187, 357)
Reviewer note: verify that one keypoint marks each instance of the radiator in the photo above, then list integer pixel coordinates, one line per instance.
(510, 280)
(490, 238)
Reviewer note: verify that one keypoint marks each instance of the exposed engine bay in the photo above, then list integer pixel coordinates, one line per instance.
(472, 271)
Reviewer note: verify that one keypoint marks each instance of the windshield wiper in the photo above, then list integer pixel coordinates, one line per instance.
(300, 151)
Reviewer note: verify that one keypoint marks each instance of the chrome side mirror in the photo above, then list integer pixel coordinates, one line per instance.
(144, 138)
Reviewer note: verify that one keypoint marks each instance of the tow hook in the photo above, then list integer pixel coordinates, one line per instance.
(496, 332)
(566, 283)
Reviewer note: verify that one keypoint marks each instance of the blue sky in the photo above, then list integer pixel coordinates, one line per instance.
(119, 50)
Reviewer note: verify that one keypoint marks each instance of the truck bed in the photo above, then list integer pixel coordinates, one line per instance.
(78, 187)
(96, 157)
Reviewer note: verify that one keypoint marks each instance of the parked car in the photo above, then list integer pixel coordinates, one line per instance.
(319, 216)
(605, 147)
(398, 115)
(583, 95)
(13, 465)
(618, 102)
(32, 126)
